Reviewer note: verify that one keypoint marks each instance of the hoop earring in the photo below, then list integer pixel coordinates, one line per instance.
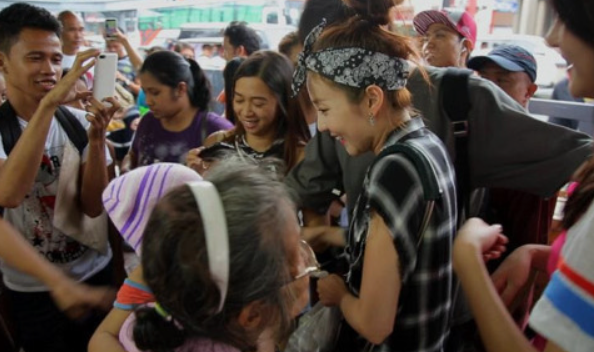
(371, 119)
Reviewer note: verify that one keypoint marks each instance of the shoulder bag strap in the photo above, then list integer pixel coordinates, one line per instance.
(73, 128)
(431, 190)
(10, 129)
(456, 103)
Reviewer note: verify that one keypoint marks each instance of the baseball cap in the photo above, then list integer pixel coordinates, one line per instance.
(510, 57)
(458, 20)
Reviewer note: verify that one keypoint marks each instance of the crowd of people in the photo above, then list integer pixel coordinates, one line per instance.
(446, 183)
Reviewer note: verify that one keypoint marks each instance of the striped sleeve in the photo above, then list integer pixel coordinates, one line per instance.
(565, 312)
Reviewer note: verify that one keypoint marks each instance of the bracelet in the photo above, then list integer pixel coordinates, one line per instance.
(132, 294)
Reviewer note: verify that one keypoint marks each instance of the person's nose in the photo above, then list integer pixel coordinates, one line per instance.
(321, 123)
(552, 36)
(48, 67)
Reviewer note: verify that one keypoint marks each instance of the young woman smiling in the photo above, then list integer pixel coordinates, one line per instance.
(268, 122)
(397, 294)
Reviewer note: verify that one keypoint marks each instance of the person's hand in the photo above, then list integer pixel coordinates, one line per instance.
(119, 37)
(134, 124)
(513, 274)
(485, 238)
(194, 161)
(314, 236)
(75, 299)
(60, 93)
(99, 115)
(331, 290)
(322, 237)
(121, 78)
(75, 95)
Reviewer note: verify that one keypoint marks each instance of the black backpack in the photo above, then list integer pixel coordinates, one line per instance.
(10, 129)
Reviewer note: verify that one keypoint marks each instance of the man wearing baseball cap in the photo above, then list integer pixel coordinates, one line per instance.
(512, 68)
(448, 36)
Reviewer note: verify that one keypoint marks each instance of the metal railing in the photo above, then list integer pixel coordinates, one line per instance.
(583, 113)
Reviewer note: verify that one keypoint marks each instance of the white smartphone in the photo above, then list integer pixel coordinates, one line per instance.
(111, 27)
(105, 76)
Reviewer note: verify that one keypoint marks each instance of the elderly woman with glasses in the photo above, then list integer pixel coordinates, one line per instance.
(219, 273)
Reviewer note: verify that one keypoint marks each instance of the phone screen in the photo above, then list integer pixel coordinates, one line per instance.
(111, 27)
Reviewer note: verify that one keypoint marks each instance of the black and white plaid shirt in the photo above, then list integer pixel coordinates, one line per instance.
(393, 189)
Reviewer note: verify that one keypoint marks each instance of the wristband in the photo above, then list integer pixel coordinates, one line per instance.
(132, 294)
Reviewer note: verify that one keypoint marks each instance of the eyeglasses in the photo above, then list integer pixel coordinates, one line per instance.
(312, 267)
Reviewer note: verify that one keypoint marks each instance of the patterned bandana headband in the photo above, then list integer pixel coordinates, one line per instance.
(215, 234)
(353, 67)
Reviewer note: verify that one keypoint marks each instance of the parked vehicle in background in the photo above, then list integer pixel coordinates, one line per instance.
(551, 65)
(270, 34)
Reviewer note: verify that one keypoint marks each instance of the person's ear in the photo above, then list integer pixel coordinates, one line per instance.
(3, 59)
(251, 316)
(466, 48)
(241, 52)
(181, 90)
(374, 99)
(531, 90)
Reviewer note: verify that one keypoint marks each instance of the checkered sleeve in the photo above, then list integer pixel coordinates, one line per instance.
(396, 194)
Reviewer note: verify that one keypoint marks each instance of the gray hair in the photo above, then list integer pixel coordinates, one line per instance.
(175, 261)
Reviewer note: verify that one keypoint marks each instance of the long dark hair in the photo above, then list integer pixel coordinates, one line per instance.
(229, 77)
(175, 262)
(578, 18)
(276, 71)
(170, 68)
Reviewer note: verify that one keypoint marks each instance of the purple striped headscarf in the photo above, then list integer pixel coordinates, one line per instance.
(130, 199)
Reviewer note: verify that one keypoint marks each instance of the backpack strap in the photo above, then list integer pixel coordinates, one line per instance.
(456, 102)
(426, 172)
(10, 129)
(431, 190)
(73, 128)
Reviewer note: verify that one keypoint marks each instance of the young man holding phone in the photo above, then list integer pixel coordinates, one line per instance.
(30, 60)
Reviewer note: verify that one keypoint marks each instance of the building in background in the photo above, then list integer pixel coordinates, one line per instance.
(492, 16)
(149, 23)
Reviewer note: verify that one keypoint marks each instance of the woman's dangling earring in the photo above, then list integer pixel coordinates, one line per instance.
(371, 119)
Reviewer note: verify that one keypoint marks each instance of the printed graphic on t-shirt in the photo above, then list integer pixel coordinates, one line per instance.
(164, 152)
(38, 213)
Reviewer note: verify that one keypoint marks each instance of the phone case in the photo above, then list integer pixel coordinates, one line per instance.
(111, 26)
(105, 76)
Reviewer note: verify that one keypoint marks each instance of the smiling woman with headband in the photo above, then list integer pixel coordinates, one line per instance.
(224, 273)
(397, 293)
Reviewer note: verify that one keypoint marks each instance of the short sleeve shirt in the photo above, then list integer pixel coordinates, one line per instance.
(33, 218)
(152, 143)
(565, 312)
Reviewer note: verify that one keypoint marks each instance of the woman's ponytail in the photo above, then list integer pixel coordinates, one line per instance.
(200, 91)
(152, 332)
